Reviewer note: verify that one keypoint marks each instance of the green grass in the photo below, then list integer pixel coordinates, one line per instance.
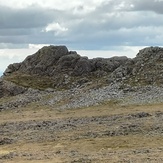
(57, 82)
(32, 81)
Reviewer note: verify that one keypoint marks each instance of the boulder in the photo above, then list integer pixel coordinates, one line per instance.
(83, 66)
(68, 61)
(10, 89)
(12, 68)
(109, 64)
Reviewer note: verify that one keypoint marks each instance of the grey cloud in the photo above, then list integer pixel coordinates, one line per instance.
(16, 31)
(24, 26)
(13, 46)
(148, 5)
(30, 17)
(110, 23)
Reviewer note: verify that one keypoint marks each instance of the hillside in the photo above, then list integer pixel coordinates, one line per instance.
(57, 106)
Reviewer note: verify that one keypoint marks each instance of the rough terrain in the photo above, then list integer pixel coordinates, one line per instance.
(105, 133)
(57, 106)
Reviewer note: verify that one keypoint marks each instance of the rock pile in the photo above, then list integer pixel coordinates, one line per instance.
(79, 98)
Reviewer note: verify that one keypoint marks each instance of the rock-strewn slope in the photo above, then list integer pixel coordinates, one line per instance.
(57, 68)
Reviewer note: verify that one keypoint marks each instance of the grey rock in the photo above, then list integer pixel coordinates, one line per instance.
(12, 68)
(10, 89)
(69, 70)
(4, 141)
(146, 68)
(68, 61)
(53, 60)
(83, 66)
(109, 64)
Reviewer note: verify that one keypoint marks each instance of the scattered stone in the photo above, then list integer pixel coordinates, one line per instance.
(5, 141)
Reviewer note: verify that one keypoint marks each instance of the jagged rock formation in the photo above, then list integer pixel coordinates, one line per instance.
(145, 69)
(53, 60)
(56, 67)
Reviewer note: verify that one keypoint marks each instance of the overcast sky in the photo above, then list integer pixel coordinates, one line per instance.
(114, 26)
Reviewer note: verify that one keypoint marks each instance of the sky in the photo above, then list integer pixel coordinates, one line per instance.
(94, 28)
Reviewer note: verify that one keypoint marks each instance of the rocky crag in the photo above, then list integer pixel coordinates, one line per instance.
(64, 75)
(56, 67)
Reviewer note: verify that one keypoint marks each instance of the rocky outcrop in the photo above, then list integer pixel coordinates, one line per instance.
(56, 67)
(148, 66)
(53, 60)
(145, 69)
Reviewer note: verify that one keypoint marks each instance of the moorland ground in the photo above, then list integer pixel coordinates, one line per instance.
(105, 133)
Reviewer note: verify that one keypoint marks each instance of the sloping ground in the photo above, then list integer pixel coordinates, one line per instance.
(105, 133)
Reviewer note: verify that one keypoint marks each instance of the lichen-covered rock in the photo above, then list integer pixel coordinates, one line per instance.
(146, 68)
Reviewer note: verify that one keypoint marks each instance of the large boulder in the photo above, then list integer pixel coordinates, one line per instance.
(109, 64)
(10, 89)
(83, 66)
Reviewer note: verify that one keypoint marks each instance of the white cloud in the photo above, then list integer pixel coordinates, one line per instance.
(55, 4)
(37, 46)
(56, 28)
